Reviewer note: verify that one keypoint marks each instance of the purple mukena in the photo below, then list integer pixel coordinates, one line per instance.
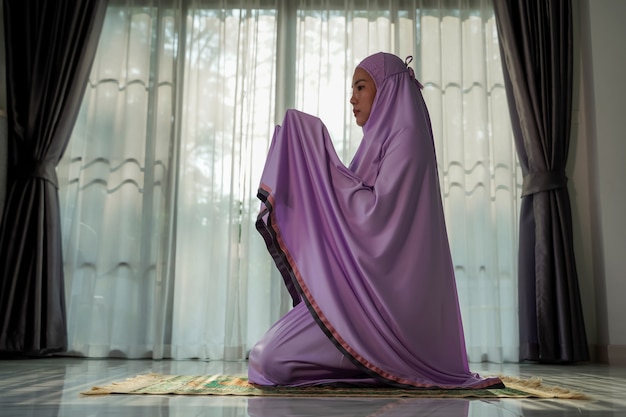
(363, 251)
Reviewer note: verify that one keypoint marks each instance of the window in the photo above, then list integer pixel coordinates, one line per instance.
(159, 180)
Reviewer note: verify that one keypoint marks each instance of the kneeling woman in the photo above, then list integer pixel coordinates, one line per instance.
(362, 249)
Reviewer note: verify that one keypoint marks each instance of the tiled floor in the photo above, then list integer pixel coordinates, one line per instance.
(52, 386)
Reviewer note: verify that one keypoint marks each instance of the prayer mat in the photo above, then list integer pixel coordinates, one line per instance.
(239, 386)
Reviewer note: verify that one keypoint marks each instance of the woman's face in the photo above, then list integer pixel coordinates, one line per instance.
(363, 93)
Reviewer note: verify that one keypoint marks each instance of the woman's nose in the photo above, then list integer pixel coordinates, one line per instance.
(352, 100)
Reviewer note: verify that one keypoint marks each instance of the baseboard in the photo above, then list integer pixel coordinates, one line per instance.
(617, 354)
(611, 354)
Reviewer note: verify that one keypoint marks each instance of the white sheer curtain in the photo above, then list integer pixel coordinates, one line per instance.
(225, 295)
(159, 180)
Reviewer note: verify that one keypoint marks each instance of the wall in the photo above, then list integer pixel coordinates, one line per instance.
(579, 190)
(598, 172)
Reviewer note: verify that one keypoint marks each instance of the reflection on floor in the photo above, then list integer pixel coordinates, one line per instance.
(52, 386)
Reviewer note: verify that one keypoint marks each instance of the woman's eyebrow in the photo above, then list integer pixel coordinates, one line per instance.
(358, 81)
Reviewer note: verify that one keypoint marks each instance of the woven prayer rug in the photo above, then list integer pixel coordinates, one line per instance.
(239, 386)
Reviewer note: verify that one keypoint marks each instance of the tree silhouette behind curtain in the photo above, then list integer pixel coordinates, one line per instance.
(536, 49)
(49, 49)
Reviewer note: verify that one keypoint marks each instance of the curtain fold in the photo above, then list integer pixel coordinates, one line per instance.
(536, 49)
(49, 49)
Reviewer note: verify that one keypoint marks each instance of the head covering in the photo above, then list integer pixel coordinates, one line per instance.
(382, 65)
(398, 107)
(365, 246)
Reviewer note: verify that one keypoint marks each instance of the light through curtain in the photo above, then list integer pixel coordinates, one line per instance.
(159, 181)
(225, 292)
(116, 185)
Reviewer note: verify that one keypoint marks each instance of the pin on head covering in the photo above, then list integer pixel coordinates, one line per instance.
(407, 61)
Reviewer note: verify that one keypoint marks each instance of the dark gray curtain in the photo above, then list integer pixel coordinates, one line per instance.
(536, 46)
(50, 47)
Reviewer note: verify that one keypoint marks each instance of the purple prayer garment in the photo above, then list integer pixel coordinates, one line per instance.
(365, 247)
